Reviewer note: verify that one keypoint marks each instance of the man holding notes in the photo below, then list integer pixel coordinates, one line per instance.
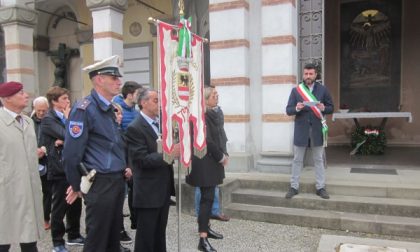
(309, 102)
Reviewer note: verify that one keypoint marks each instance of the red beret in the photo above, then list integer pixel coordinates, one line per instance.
(10, 88)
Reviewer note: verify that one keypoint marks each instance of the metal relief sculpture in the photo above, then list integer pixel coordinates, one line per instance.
(61, 58)
(370, 49)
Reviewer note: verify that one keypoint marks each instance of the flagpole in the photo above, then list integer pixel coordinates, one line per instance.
(178, 202)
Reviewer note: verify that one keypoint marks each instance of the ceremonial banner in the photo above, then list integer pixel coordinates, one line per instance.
(180, 56)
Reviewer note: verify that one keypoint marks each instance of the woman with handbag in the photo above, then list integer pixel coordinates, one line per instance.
(208, 172)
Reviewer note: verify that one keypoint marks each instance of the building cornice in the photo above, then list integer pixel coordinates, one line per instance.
(19, 14)
(118, 5)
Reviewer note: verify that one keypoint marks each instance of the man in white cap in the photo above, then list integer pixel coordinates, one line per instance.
(93, 138)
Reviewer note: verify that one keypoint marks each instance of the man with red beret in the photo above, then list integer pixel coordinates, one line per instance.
(20, 186)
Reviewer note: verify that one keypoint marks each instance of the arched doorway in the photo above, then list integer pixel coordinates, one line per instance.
(57, 32)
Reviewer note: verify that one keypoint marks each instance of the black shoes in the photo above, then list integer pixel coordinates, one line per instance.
(204, 245)
(124, 238)
(80, 241)
(220, 217)
(322, 193)
(213, 234)
(292, 192)
(124, 249)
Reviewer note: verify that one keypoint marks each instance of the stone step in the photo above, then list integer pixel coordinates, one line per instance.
(342, 203)
(350, 188)
(335, 220)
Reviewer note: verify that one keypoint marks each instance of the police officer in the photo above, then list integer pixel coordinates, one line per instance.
(93, 138)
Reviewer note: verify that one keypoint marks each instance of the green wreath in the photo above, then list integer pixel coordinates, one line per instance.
(372, 140)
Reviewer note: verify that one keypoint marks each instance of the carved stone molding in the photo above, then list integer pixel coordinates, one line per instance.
(18, 14)
(84, 35)
(120, 5)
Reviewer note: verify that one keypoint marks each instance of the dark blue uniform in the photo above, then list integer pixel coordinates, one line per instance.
(94, 138)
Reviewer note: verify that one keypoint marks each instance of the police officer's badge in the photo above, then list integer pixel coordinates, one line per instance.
(75, 129)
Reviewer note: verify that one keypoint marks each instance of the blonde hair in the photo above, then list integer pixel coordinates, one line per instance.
(207, 92)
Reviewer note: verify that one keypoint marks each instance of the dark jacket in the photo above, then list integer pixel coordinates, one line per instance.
(52, 129)
(37, 125)
(153, 178)
(208, 171)
(94, 138)
(305, 119)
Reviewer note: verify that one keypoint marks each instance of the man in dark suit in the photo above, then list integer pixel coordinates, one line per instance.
(153, 179)
(309, 102)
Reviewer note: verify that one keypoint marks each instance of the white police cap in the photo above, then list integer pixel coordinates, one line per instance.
(108, 66)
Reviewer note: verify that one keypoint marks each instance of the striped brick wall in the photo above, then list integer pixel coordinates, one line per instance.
(229, 50)
(279, 54)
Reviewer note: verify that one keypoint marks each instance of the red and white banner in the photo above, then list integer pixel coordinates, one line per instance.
(181, 95)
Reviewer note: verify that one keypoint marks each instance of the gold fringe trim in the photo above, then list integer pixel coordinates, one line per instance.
(200, 153)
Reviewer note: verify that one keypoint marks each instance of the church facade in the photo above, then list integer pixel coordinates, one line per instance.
(365, 50)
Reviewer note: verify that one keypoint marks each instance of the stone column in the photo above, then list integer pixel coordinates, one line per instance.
(18, 23)
(107, 27)
(279, 75)
(229, 57)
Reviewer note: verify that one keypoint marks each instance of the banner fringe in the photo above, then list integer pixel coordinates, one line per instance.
(200, 153)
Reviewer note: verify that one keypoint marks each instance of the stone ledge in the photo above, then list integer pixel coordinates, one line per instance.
(331, 242)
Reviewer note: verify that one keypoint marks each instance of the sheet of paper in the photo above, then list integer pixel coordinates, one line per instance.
(310, 103)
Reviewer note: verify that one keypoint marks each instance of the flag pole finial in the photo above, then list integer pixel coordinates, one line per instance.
(181, 7)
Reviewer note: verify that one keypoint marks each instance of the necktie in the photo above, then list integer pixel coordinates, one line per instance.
(19, 120)
(156, 124)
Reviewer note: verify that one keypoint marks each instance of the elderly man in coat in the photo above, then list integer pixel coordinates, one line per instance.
(21, 217)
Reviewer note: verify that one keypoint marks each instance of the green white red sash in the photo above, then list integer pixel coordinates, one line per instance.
(307, 95)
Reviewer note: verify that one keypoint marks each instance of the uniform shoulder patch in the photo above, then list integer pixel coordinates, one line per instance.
(83, 104)
(75, 128)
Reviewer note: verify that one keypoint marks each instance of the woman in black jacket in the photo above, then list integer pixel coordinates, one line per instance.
(208, 172)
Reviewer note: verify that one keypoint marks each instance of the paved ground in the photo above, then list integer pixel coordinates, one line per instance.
(240, 235)
(250, 236)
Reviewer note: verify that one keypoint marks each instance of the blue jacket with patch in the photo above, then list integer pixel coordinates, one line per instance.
(94, 138)
(128, 113)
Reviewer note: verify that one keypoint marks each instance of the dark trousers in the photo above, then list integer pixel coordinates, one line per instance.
(46, 197)
(206, 202)
(130, 206)
(60, 208)
(151, 232)
(133, 214)
(24, 247)
(104, 204)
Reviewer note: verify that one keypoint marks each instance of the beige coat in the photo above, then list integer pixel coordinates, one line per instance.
(21, 217)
